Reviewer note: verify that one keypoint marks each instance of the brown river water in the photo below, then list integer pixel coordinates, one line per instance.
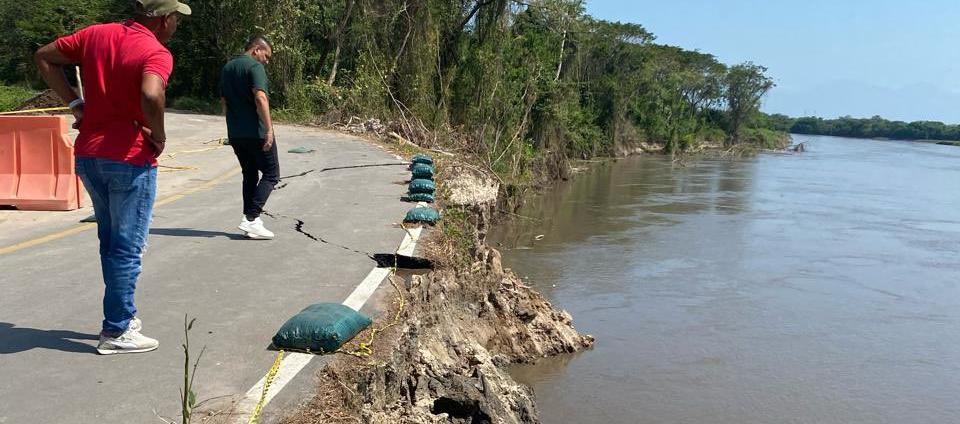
(822, 287)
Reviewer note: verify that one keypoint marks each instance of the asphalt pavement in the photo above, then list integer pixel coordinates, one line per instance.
(198, 264)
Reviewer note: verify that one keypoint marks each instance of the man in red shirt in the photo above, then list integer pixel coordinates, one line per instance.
(125, 73)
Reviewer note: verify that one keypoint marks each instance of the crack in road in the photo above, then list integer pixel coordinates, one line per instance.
(337, 168)
(298, 175)
(383, 260)
(299, 227)
(394, 260)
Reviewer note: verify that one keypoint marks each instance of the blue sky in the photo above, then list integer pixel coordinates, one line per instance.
(896, 59)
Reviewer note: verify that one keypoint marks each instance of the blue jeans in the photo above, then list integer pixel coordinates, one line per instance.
(122, 197)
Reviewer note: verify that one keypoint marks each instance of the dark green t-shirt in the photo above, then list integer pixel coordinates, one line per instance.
(238, 80)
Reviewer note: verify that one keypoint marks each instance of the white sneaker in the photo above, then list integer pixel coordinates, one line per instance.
(255, 229)
(135, 325)
(131, 341)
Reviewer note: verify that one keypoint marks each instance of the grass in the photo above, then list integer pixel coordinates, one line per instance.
(193, 104)
(12, 97)
(188, 398)
(765, 139)
(292, 116)
(455, 239)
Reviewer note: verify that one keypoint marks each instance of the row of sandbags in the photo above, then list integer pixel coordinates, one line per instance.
(325, 327)
(422, 189)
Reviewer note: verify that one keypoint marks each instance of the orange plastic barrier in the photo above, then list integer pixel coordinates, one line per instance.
(37, 165)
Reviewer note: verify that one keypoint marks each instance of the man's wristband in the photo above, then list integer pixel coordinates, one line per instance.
(77, 102)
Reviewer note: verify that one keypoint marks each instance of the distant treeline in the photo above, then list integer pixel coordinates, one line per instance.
(875, 127)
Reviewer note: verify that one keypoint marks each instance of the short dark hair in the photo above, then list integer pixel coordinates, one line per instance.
(257, 40)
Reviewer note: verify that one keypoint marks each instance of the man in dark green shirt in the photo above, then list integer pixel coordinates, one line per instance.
(244, 92)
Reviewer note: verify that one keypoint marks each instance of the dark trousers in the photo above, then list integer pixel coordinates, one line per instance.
(253, 162)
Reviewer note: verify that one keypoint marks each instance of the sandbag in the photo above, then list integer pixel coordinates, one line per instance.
(422, 216)
(320, 328)
(422, 186)
(419, 197)
(422, 171)
(301, 150)
(422, 158)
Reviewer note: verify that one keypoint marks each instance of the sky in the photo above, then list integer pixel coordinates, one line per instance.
(896, 59)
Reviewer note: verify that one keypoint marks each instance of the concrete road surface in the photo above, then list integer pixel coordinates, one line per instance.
(239, 290)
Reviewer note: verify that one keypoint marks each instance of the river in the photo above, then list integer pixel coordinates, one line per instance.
(821, 287)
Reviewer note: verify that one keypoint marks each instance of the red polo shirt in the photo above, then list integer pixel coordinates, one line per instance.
(113, 60)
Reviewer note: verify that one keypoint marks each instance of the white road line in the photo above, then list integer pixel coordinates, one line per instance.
(409, 242)
(369, 285)
(294, 362)
(290, 366)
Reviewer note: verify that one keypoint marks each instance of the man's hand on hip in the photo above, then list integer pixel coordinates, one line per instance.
(157, 140)
(77, 115)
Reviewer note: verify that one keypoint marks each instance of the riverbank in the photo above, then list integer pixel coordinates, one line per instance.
(444, 353)
(448, 345)
(460, 325)
(449, 335)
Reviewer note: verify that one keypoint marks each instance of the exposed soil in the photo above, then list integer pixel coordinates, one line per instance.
(46, 99)
(444, 359)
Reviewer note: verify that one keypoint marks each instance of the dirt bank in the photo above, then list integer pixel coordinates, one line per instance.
(460, 325)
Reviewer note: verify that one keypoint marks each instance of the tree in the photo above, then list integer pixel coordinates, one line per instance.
(523, 85)
(746, 84)
(26, 27)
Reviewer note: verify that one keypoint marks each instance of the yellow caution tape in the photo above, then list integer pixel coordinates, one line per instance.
(266, 388)
(365, 349)
(49, 109)
(205, 149)
(171, 168)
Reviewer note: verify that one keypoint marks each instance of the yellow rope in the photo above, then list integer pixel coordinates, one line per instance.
(206, 149)
(177, 168)
(219, 141)
(365, 349)
(266, 388)
(49, 109)
(172, 168)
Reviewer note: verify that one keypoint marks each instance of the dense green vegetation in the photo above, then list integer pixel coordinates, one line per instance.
(11, 97)
(875, 127)
(520, 85)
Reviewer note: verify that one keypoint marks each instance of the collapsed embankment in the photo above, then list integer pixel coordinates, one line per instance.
(458, 328)
(460, 325)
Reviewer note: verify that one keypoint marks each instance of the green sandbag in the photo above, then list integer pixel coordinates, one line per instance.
(422, 186)
(419, 197)
(301, 149)
(320, 328)
(422, 158)
(422, 216)
(422, 171)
